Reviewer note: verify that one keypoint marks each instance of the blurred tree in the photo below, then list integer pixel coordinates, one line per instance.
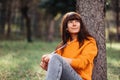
(36, 18)
(5, 17)
(24, 11)
(2, 16)
(20, 16)
(8, 17)
(115, 7)
(92, 13)
(117, 10)
(52, 8)
(58, 6)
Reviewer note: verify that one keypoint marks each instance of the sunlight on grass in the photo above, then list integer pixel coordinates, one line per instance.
(7, 62)
(20, 60)
(113, 45)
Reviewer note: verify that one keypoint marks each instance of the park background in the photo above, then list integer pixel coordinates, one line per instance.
(31, 28)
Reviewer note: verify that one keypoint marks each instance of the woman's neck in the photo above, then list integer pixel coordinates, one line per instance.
(73, 36)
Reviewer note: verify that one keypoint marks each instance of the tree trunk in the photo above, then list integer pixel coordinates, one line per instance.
(8, 18)
(24, 11)
(37, 27)
(117, 18)
(28, 24)
(115, 8)
(2, 17)
(51, 30)
(92, 13)
(29, 32)
(50, 22)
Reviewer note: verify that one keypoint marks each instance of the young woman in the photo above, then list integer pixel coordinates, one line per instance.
(73, 58)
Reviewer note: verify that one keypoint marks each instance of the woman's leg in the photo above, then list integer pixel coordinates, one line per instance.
(58, 69)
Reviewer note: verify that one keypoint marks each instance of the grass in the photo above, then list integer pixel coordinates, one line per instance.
(113, 61)
(20, 60)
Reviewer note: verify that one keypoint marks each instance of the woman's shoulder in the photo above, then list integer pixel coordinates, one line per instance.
(90, 40)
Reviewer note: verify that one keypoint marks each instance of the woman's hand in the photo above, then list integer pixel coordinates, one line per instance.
(44, 61)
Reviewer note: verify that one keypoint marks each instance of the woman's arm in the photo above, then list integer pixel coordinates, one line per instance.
(87, 56)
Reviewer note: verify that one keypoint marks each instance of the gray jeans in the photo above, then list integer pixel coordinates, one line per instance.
(58, 69)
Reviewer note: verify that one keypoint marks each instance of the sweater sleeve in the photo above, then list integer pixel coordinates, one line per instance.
(86, 56)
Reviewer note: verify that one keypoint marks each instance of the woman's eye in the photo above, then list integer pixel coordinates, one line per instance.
(70, 21)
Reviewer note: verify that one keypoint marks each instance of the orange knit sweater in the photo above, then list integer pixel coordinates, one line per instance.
(82, 57)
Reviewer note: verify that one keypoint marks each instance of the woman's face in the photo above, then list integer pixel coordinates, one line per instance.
(73, 26)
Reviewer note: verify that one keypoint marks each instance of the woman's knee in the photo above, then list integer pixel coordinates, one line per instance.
(56, 57)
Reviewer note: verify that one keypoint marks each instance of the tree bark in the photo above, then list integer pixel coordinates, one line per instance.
(92, 13)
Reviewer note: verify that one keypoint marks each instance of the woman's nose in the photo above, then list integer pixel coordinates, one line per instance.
(74, 22)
